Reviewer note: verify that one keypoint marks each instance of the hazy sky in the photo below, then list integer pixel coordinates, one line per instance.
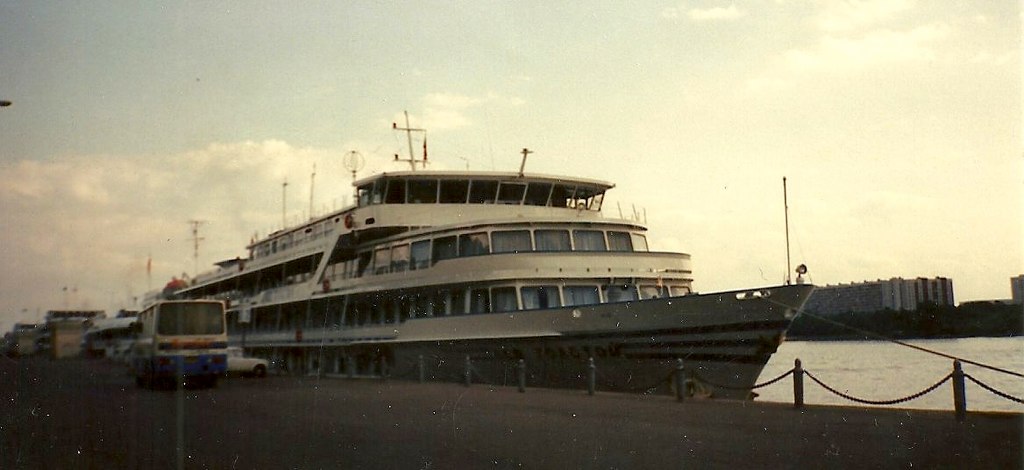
(897, 123)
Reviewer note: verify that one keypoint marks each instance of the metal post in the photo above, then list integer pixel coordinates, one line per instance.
(680, 381)
(422, 368)
(959, 393)
(798, 384)
(350, 366)
(384, 367)
(591, 376)
(469, 372)
(521, 366)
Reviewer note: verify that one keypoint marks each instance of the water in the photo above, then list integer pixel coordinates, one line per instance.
(879, 370)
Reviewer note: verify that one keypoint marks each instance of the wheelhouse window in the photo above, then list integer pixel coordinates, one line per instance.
(589, 240)
(370, 194)
(581, 295)
(504, 299)
(420, 256)
(454, 192)
(396, 192)
(444, 248)
(483, 192)
(639, 242)
(511, 241)
(511, 193)
(472, 244)
(537, 194)
(562, 195)
(552, 240)
(422, 191)
(620, 241)
(535, 297)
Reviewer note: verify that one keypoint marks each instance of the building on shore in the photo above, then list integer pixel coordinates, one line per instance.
(1017, 289)
(870, 296)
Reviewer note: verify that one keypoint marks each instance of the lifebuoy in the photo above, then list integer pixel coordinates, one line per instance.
(348, 221)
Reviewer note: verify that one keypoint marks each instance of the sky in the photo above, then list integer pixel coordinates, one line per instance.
(897, 124)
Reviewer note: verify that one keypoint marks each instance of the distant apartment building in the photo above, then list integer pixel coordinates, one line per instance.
(870, 296)
(1017, 289)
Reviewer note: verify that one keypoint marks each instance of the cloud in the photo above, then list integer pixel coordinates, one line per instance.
(92, 221)
(855, 14)
(837, 53)
(447, 111)
(881, 46)
(703, 14)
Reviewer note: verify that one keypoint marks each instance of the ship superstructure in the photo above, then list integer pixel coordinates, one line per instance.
(430, 268)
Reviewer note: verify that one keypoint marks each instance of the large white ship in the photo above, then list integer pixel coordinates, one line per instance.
(430, 268)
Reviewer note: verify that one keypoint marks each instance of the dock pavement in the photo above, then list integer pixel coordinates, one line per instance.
(82, 413)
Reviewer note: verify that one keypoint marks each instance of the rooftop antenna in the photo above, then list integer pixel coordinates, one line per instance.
(785, 204)
(522, 165)
(195, 243)
(312, 179)
(284, 195)
(408, 133)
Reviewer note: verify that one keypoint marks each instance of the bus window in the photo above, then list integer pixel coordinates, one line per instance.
(191, 318)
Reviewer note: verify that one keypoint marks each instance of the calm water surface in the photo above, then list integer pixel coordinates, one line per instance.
(878, 370)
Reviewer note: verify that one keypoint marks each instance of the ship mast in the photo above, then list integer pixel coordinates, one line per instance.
(408, 133)
(785, 204)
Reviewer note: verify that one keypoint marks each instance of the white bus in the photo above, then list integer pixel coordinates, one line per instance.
(180, 341)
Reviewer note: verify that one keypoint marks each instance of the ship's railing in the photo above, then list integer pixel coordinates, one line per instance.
(686, 383)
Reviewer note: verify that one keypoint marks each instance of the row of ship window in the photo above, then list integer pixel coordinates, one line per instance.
(444, 191)
(385, 308)
(424, 253)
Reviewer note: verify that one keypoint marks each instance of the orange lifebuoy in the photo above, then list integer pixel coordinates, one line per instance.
(348, 221)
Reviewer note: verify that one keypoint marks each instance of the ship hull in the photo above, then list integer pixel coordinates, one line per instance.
(723, 339)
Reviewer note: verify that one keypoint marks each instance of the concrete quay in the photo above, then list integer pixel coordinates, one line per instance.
(88, 414)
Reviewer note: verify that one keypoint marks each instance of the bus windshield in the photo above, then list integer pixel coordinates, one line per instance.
(190, 318)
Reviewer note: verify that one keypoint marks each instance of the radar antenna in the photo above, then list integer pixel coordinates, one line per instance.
(408, 133)
(354, 162)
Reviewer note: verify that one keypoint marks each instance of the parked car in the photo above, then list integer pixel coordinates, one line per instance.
(239, 364)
